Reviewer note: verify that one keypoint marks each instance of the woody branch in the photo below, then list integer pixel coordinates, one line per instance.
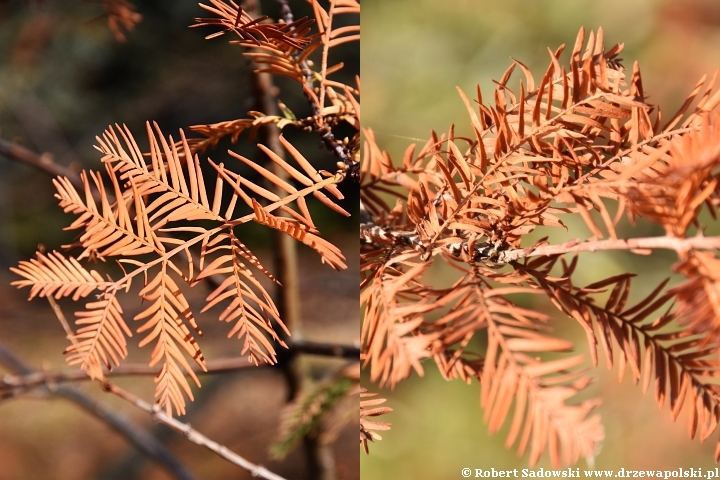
(22, 382)
(680, 245)
(192, 434)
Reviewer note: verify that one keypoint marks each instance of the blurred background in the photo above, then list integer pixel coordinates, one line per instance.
(414, 54)
(63, 79)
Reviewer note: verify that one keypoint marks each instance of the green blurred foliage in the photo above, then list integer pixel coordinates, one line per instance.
(414, 54)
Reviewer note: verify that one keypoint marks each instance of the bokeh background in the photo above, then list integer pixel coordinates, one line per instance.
(63, 79)
(414, 54)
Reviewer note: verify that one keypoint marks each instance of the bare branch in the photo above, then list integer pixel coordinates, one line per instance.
(350, 352)
(192, 434)
(44, 162)
(23, 382)
(137, 436)
(34, 379)
(680, 245)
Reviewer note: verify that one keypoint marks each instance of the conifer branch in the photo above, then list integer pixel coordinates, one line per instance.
(583, 142)
(216, 366)
(134, 434)
(191, 434)
(43, 163)
(679, 245)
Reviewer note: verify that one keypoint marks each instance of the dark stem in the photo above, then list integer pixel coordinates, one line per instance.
(13, 151)
(23, 382)
(328, 138)
(286, 12)
(137, 436)
(191, 434)
(286, 264)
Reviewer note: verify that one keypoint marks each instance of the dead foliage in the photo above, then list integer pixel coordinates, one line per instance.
(581, 140)
(169, 225)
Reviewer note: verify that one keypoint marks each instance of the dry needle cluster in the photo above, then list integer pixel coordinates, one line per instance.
(580, 141)
(170, 217)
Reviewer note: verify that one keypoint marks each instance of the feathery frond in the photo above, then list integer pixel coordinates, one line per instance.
(151, 196)
(369, 428)
(101, 342)
(53, 274)
(582, 141)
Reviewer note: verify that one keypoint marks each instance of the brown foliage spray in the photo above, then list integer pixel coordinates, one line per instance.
(156, 213)
(583, 141)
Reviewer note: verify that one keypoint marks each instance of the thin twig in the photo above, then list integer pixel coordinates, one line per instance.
(349, 352)
(192, 434)
(286, 261)
(137, 436)
(286, 11)
(31, 380)
(61, 318)
(680, 245)
(43, 162)
(337, 149)
(34, 379)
